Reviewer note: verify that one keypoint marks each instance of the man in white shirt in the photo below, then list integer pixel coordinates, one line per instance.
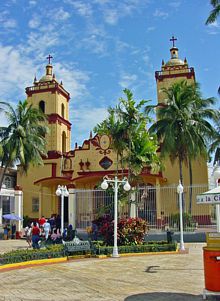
(46, 227)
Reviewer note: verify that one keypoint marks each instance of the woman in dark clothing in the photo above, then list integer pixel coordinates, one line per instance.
(58, 222)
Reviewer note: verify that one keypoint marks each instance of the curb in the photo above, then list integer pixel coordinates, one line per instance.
(145, 253)
(41, 262)
(31, 263)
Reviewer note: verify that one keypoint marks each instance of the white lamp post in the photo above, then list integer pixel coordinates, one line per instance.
(62, 192)
(217, 177)
(180, 192)
(116, 184)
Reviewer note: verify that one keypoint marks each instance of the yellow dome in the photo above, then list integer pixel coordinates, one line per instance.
(46, 78)
(174, 62)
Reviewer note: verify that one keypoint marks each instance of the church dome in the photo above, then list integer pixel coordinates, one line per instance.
(46, 78)
(49, 76)
(174, 62)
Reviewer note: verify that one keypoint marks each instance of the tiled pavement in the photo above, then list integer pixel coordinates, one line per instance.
(151, 278)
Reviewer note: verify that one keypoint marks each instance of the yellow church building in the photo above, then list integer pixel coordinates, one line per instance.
(84, 167)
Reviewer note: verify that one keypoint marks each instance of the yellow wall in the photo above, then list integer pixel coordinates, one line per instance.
(53, 105)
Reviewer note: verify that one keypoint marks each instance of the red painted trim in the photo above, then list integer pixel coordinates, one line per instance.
(89, 174)
(160, 76)
(54, 118)
(54, 170)
(71, 186)
(56, 88)
(53, 155)
(52, 179)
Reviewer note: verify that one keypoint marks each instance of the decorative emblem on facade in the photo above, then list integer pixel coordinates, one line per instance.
(105, 162)
(102, 143)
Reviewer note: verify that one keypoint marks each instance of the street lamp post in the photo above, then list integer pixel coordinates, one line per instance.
(217, 177)
(116, 183)
(62, 192)
(180, 192)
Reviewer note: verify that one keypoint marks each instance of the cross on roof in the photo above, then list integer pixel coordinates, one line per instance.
(49, 58)
(173, 40)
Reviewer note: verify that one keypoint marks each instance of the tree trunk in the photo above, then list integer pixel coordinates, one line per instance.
(2, 172)
(181, 170)
(190, 187)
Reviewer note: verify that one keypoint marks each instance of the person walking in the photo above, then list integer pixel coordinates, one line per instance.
(47, 228)
(35, 236)
(28, 233)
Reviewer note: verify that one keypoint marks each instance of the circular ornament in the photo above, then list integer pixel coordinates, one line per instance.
(104, 142)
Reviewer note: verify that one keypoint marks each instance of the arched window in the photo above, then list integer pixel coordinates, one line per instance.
(42, 106)
(63, 142)
(7, 182)
(62, 110)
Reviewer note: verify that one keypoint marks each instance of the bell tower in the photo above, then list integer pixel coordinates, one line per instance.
(51, 97)
(174, 70)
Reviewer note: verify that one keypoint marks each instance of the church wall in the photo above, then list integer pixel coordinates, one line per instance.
(166, 83)
(45, 193)
(53, 105)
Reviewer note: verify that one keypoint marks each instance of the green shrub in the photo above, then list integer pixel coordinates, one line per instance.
(187, 220)
(152, 247)
(131, 231)
(53, 251)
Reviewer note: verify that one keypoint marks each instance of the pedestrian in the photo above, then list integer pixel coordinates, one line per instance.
(58, 222)
(47, 229)
(42, 221)
(52, 222)
(6, 231)
(13, 231)
(35, 236)
(28, 234)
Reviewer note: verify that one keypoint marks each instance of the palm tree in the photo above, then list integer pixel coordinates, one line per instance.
(214, 13)
(23, 140)
(215, 143)
(182, 124)
(113, 127)
(126, 125)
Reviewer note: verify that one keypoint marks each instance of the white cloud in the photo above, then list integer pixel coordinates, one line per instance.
(74, 80)
(39, 42)
(15, 73)
(32, 2)
(151, 28)
(127, 80)
(82, 8)
(213, 28)
(3, 119)
(10, 23)
(34, 22)
(160, 14)
(85, 118)
(175, 4)
(6, 21)
(95, 44)
(214, 25)
(111, 16)
(61, 14)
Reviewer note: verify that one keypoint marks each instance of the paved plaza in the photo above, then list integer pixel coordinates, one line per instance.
(138, 278)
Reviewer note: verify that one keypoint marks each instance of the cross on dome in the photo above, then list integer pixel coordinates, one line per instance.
(49, 58)
(173, 40)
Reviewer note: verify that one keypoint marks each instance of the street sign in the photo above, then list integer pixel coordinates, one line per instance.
(208, 199)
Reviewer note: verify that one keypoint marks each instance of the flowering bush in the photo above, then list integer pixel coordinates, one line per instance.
(130, 230)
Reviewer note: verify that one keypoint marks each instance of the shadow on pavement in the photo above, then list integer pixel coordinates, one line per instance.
(162, 296)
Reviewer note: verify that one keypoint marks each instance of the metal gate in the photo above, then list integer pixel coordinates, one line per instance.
(159, 206)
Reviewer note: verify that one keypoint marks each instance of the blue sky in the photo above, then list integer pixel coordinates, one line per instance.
(101, 47)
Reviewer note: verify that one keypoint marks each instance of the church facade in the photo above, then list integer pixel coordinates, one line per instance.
(85, 166)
